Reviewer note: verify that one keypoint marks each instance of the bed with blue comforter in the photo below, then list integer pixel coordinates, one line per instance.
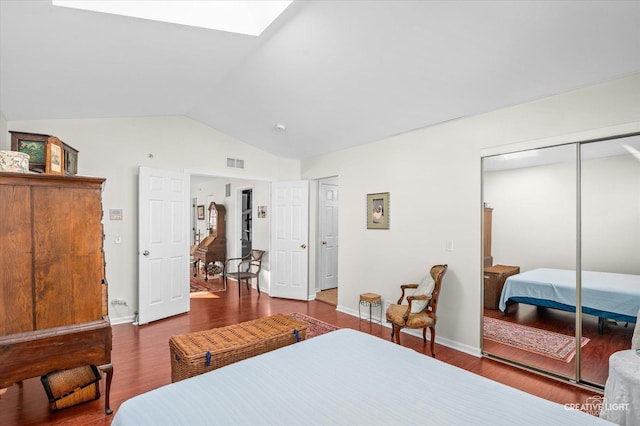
(344, 377)
(606, 295)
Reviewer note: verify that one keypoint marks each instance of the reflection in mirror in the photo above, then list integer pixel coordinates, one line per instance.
(610, 250)
(532, 197)
(533, 201)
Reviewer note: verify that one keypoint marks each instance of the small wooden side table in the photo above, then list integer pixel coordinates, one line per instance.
(494, 278)
(370, 299)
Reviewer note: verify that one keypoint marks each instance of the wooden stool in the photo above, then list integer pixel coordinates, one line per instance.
(370, 299)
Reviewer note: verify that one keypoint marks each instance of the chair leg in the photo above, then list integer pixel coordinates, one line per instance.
(393, 329)
(397, 332)
(433, 340)
(424, 335)
(258, 284)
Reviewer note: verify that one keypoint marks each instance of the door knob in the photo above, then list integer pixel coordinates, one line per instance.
(146, 253)
(324, 243)
(304, 246)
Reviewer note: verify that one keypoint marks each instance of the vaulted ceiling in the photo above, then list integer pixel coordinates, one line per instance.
(335, 73)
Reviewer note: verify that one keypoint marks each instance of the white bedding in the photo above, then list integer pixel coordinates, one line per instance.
(342, 378)
(602, 292)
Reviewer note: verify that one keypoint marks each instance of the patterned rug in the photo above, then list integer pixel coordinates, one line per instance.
(547, 343)
(315, 327)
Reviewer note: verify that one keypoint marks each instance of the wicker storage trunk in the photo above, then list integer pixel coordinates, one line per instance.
(199, 352)
(66, 388)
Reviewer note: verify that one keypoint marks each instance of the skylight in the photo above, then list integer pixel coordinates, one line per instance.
(243, 17)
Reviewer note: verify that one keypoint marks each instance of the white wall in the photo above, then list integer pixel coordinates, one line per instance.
(5, 140)
(534, 215)
(115, 148)
(434, 179)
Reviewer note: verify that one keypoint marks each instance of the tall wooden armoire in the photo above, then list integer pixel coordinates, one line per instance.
(53, 291)
(488, 258)
(214, 247)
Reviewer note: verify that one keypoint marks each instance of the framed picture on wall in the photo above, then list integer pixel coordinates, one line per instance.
(378, 211)
(201, 212)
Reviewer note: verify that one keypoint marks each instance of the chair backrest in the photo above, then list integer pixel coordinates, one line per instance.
(437, 272)
(256, 259)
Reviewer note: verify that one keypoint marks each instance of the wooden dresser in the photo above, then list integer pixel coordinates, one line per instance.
(494, 279)
(53, 291)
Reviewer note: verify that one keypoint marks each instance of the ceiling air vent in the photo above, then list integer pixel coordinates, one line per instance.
(235, 163)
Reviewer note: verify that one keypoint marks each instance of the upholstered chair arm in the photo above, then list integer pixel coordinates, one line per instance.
(404, 287)
(411, 299)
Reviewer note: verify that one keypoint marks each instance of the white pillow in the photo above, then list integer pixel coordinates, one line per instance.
(425, 288)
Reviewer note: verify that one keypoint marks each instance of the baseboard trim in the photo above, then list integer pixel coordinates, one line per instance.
(418, 333)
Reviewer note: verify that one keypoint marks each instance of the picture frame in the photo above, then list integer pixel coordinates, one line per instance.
(262, 212)
(55, 157)
(378, 212)
(200, 212)
(34, 145)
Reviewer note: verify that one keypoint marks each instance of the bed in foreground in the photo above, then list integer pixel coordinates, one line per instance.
(344, 377)
(604, 294)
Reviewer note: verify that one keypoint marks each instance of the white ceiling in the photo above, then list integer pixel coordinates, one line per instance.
(335, 73)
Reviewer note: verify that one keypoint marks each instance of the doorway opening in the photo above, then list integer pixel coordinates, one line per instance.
(328, 237)
(246, 220)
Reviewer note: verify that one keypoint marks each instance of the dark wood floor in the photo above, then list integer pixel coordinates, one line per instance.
(594, 364)
(141, 358)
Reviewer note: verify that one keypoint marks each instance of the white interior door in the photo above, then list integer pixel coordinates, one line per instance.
(289, 259)
(328, 209)
(163, 244)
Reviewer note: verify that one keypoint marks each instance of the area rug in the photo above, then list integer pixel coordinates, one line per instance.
(547, 343)
(315, 327)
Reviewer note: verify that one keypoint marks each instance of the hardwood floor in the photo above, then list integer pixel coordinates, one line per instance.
(141, 358)
(595, 354)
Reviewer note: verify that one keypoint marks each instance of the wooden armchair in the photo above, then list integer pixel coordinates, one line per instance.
(400, 315)
(248, 268)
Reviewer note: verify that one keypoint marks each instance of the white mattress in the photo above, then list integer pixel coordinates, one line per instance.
(601, 291)
(342, 378)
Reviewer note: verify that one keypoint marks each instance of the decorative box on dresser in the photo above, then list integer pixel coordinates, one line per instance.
(53, 290)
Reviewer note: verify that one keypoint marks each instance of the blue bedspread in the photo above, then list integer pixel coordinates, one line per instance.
(343, 377)
(603, 293)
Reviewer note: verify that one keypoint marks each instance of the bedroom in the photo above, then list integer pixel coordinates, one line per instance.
(434, 186)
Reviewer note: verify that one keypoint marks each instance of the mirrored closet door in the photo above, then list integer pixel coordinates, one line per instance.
(610, 250)
(555, 211)
(532, 195)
